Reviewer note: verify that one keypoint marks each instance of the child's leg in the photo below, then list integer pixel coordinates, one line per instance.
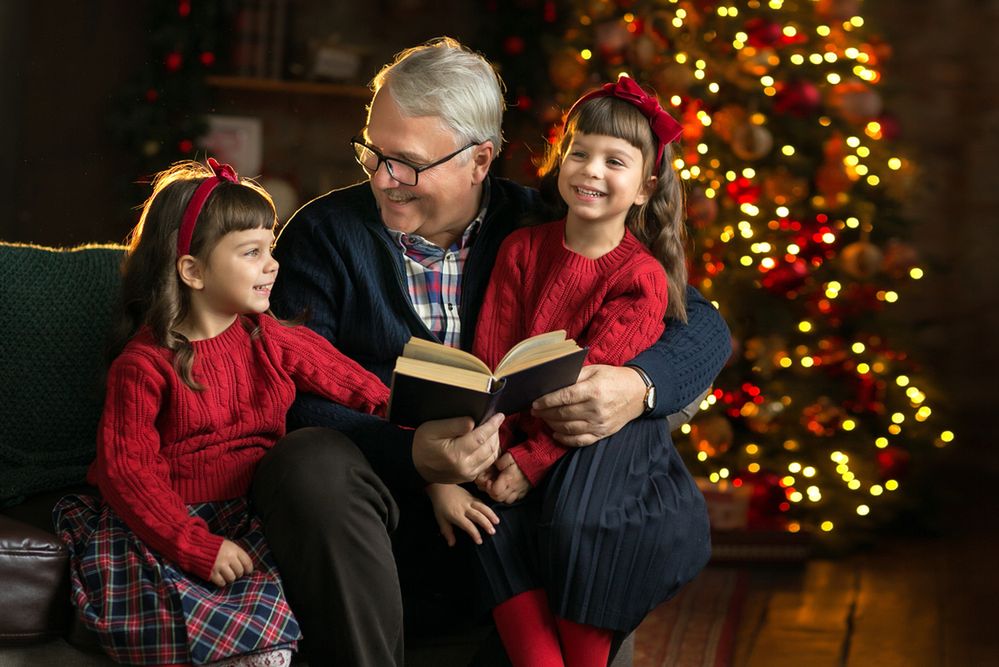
(527, 627)
(584, 645)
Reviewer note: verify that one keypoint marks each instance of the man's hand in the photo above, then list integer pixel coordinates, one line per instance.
(231, 563)
(451, 451)
(603, 400)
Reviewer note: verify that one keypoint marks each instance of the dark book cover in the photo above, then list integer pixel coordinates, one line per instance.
(416, 400)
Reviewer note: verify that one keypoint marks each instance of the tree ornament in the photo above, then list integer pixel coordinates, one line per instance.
(751, 141)
(855, 102)
(726, 119)
(798, 97)
(893, 463)
(762, 32)
(612, 37)
(743, 190)
(861, 259)
(711, 433)
(786, 277)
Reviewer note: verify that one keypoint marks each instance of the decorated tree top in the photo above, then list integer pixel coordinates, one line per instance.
(794, 188)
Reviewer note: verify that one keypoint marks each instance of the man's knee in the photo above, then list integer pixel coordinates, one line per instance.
(317, 468)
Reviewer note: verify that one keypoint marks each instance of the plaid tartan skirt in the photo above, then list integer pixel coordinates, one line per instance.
(145, 610)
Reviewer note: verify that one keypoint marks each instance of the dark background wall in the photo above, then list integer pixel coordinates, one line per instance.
(61, 181)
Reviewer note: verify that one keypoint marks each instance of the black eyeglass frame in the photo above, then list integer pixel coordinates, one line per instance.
(417, 169)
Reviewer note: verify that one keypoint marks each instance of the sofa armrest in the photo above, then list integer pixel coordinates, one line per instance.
(34, 583)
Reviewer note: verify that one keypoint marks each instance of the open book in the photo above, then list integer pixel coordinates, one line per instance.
(434, 381)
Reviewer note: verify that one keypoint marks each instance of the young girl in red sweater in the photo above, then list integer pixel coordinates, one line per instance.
(607, 273)
(169, 564)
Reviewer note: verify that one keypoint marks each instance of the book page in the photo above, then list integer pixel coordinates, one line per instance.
(519, 363)
(530, 347)
(418, 348)
(435, 372)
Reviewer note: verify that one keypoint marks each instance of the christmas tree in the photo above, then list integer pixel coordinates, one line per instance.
(794, 185)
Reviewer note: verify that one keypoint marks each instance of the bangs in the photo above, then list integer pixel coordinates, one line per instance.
(615, 118)
(237, 208)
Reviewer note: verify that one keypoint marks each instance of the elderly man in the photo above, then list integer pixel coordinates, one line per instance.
(407, 253)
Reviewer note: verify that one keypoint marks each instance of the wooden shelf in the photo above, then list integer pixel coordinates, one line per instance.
(292, 87)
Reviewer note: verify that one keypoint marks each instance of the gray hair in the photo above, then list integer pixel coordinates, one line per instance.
(443, 78)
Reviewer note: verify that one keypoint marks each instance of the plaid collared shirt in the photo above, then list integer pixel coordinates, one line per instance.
(433, 275)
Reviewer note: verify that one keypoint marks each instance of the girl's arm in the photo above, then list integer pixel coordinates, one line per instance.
(627, 322)
(134, 478)
(316, 366)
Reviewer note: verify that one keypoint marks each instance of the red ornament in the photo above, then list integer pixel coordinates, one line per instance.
(762, 33)
(765, 501)
(173, 61)
(207, 58)
(893, 463)
(798, 98)
(185, 145)
(184, 8)
(786, 277)
(743, 190)
(152, 95)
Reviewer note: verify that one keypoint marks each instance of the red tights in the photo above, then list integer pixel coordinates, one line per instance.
(533, 637)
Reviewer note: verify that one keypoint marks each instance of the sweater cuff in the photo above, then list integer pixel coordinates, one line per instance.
(203, 549)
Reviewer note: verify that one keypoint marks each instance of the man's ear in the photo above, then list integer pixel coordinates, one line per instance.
(482, 158)
(646, 191)
(189, 270)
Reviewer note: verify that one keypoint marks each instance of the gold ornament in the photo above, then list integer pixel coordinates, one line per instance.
(567, 70)
(751, 141)
(861, 259)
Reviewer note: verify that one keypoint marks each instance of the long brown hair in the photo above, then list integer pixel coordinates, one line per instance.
(152, 293)
(659, 223)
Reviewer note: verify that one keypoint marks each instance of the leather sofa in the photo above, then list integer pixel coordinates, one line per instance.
(55, 308)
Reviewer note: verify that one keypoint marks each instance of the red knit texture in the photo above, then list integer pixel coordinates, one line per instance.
(162, 445)
(615, 305)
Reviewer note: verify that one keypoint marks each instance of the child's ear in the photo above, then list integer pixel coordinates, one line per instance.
(189, 270)
(646, 191)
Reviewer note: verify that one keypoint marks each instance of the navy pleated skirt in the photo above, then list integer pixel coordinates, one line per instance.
(615, 529)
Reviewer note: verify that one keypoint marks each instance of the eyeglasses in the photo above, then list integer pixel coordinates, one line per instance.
(402, 171)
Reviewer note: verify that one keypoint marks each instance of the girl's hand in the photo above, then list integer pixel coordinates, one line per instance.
(231, 563)
(511, 483)
(454, 505)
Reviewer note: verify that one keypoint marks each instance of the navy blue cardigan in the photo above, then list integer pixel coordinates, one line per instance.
(342, 272)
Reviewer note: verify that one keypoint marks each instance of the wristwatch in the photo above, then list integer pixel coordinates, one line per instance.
(649, 401)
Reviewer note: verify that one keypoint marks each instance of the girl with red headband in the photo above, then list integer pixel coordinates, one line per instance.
(168, 563)
(607, 272)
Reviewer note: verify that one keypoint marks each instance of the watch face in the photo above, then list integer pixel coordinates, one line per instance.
(650, 398)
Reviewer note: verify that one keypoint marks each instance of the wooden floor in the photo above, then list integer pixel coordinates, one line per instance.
(909, 602)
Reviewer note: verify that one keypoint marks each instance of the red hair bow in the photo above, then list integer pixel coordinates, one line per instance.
(222, 172)
(664, 126)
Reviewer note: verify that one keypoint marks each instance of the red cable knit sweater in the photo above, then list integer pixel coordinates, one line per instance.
(162, 445)
(614, 304)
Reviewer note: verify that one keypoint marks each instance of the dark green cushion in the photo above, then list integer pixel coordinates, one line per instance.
(55, 311)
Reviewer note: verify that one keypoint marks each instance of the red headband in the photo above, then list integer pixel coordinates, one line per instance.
(222, 173)
(664, 126)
